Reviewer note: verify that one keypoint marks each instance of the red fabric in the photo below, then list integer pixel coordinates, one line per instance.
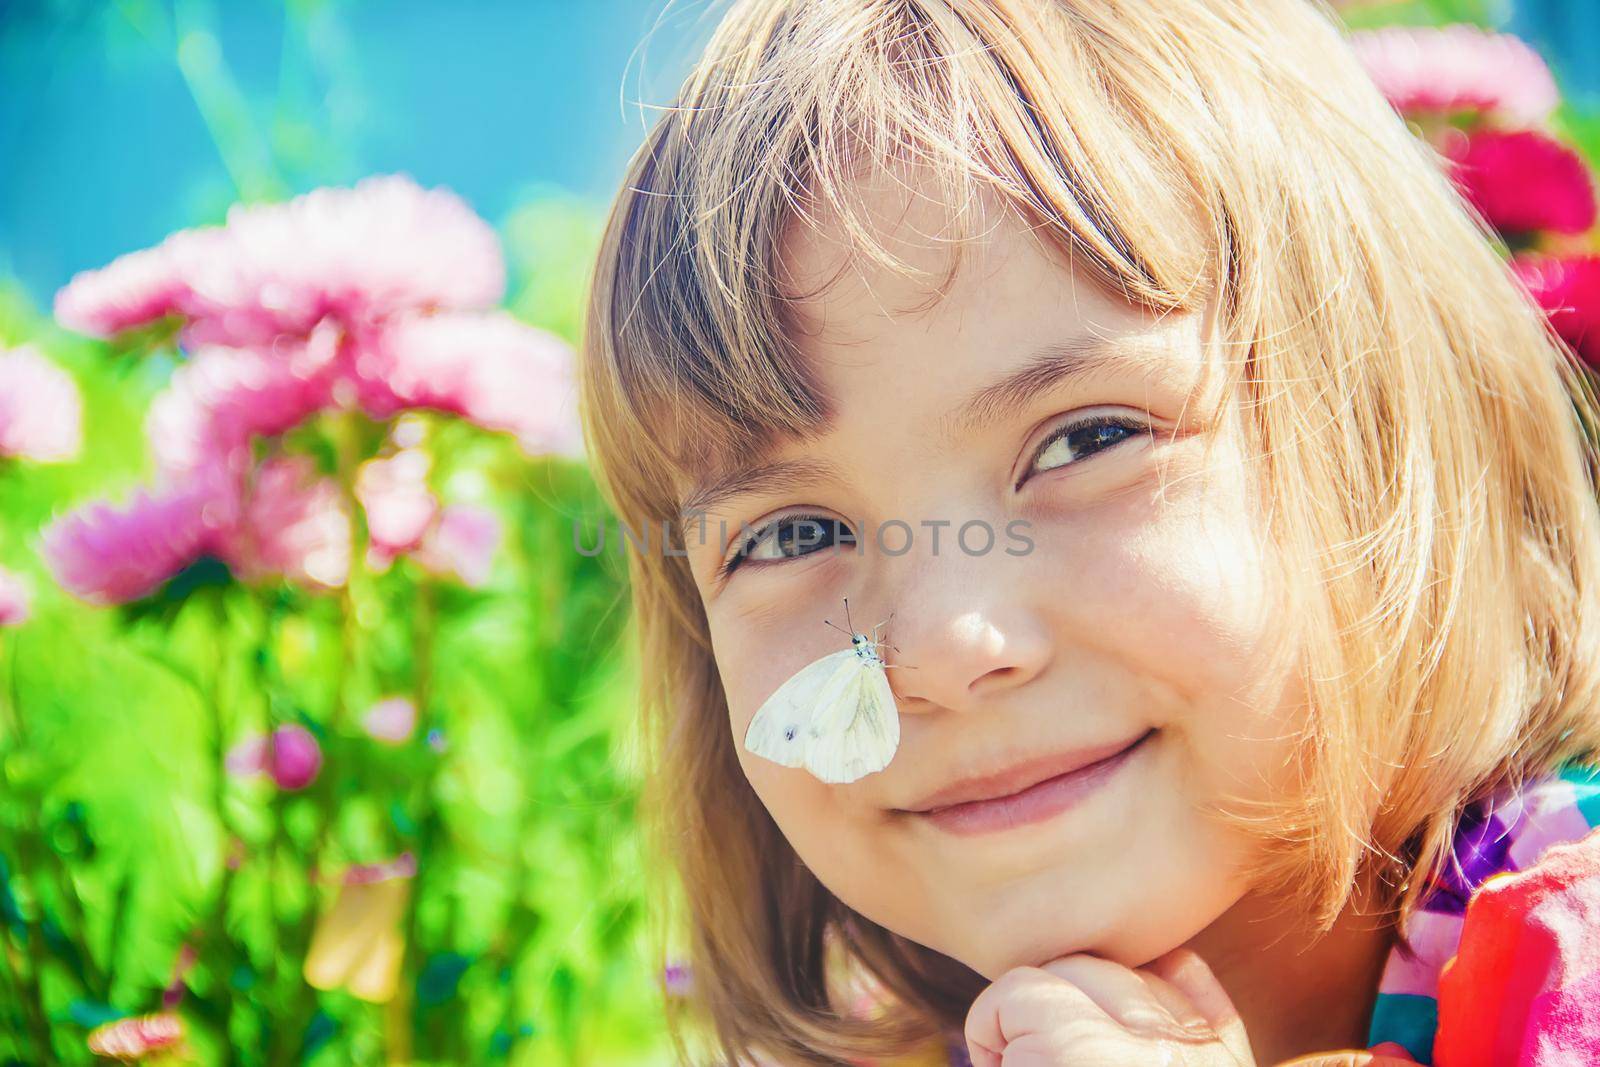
(1524, 987)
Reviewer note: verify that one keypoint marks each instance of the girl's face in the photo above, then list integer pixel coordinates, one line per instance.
(1128, 596)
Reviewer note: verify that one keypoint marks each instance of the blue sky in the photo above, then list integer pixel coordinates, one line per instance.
(107, 118)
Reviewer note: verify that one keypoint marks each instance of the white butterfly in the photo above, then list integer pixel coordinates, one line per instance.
(836, 717)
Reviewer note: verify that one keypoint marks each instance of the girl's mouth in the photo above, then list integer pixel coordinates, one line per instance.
(1036, 802)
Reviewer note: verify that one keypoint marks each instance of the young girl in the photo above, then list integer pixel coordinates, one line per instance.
(1231, 504)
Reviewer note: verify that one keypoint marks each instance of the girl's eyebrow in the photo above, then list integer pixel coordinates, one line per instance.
(1053, 365)
(774, 477)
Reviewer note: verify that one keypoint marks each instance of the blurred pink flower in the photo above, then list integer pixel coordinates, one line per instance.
(404, 518)
(293, 523)
(222, 397)
(136, 1037)
(678, 977)
(290, 755)
(1458, 68)
(247, 757)
(392, 720)
(137, 289)
(355, 254)
(399, 506)
(14, 599)
(172, 995)
(462, 543)
(1522, 181)
(295, 759)
(1568, 289)
(402, 866)
(110, 554)
(41, 413)
(490, 368)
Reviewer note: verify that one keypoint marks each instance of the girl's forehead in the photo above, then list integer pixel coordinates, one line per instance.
(952, 311)
(976, 272)
(901, 234)
(899, 246)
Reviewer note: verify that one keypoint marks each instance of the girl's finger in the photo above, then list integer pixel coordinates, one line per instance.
(1187, 1015)
(1193, 978)
(1024, 1000)
(1121, 993)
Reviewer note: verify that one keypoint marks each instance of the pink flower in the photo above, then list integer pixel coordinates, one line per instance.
(107, 554)
(222, 397)
(404, 518)
(293, 523)
(172, 995)
(1568, 289)
(247, 757)
(399, 506)
(462, 543)
(290, 754)
(287, 522)
(355, 254)
(678, 977)
(295, 758)
(1458, 68)
(135, 1038)
(14, 599)
(1523, 181)
(402, 866)
(41, 414)
(391, 720)
(490, 368)
(137, 289)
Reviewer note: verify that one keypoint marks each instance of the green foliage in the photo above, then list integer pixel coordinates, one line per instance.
(1580, 125)
(1486, 13)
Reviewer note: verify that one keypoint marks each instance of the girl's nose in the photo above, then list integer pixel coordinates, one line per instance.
(962, 641)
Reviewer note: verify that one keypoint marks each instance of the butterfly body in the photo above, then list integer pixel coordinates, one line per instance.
(835, 717)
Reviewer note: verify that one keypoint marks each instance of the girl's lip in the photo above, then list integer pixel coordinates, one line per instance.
(1035, 803)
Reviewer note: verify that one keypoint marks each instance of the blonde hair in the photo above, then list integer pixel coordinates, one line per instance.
(1424, 437)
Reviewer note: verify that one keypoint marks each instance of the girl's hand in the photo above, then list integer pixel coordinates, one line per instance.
(1082, 1009)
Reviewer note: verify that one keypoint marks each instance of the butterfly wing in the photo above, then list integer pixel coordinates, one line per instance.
(782, 728)
(857, 727)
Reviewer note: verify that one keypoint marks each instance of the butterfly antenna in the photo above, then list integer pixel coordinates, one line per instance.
(840, 629)
(847, 617)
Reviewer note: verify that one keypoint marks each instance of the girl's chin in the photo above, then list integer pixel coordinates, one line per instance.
(1032, 939)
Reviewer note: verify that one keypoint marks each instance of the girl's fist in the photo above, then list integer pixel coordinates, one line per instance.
(1082, 1009)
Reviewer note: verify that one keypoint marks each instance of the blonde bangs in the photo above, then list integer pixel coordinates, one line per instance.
(791, 109)
(1423, 444)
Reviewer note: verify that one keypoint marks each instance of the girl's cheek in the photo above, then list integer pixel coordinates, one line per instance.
(1206, 596)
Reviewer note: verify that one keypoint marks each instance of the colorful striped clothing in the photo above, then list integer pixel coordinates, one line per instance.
(1501, 961)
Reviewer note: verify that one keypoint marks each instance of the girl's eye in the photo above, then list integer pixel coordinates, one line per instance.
(1075, 440)
(788, 538)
